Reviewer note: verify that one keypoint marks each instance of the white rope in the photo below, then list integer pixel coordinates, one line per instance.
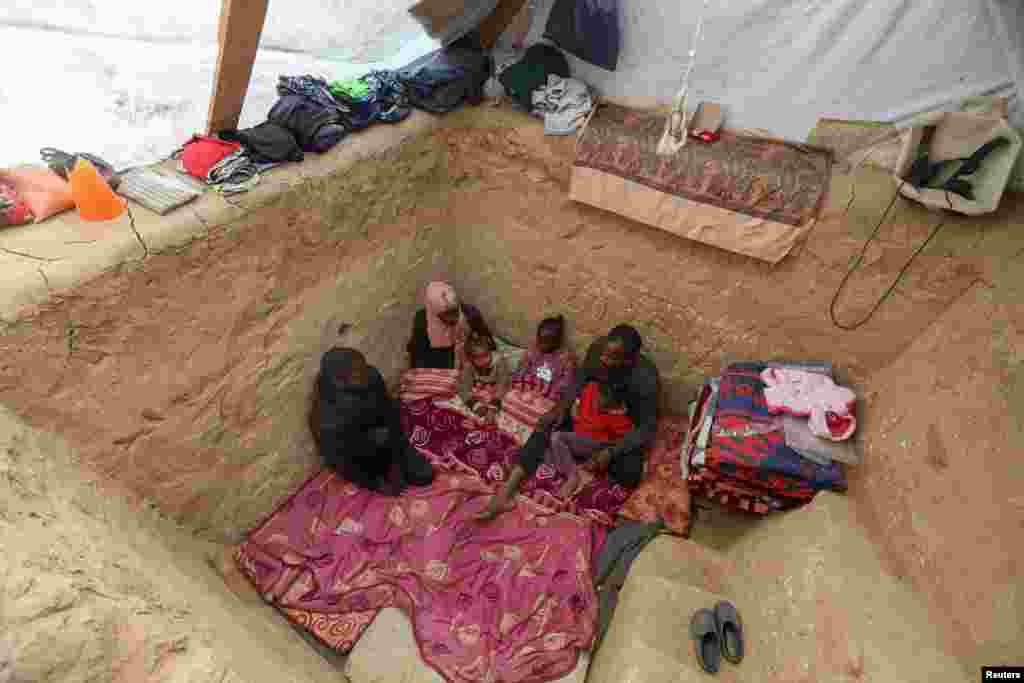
(674, 137)
(698, 33)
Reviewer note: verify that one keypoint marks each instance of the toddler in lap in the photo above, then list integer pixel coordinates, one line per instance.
(599, 419)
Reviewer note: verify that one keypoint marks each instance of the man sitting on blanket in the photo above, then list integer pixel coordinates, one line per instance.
(613, 360)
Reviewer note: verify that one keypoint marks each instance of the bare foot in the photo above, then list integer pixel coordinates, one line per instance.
(570, 486)
(130, 657)
(494, 508)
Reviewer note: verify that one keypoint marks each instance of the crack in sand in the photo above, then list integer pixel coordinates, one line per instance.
(201, 220)
(44, 259)
(145, 248)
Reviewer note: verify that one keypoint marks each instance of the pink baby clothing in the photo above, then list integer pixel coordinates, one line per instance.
(829, 406)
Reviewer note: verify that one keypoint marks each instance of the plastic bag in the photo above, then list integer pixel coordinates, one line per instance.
(588, 29)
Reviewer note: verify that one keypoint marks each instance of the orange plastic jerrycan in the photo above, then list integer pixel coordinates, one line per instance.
(92, 194)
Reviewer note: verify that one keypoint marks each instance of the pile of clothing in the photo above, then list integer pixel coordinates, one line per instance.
(309, 111)
(233, 162)
(540, 83)
(446, 79)
(439, 82)
(563, 103)
(312, 115)
(769, 436)
(377, 96)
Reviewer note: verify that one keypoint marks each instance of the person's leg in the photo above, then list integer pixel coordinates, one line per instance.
(581, 449)
(627, 469)
(416, 469)
(530, 457)
(560, 457)
(559, 454)
(581, 446)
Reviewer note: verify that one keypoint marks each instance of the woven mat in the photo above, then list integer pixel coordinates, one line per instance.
(760, 177)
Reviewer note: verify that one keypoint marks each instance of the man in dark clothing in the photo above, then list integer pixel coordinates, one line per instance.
(614, 360)
(357, 427)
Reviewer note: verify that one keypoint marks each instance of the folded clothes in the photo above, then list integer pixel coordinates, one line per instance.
(377, 96)
(801, 439)
(445, 79)
(565, 104)
(316, 128)
(312, 88)
(532, 72)
(830, 407)
(738, 452)
(352, 88)
(268, 142)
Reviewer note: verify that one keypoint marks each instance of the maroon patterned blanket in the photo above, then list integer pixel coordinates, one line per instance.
(760, 177)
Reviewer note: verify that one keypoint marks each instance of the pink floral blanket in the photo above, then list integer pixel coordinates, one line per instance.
(508, 601)
(463, 444)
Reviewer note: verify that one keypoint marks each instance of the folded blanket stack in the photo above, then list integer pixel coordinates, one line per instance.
(751, 446)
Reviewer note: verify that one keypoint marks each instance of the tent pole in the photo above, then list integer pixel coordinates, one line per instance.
(238, 38)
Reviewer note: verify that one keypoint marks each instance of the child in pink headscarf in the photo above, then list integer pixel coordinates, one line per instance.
(440, 329)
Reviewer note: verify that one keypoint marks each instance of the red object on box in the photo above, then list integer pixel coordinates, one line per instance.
(704, 135)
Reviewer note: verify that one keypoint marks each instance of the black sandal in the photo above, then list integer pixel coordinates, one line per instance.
(730, 631)
(61, 163)
(704, 632)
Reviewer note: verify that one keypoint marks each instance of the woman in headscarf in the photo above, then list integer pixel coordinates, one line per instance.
(440, 329)
(358, 429)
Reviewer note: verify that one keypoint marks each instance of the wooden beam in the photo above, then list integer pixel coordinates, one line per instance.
(241, 23)
(493, 26)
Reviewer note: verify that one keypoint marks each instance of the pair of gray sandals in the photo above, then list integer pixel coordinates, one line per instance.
(716, 634)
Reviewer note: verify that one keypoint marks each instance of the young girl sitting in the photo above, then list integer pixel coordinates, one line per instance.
(547, 369)
(485, 378)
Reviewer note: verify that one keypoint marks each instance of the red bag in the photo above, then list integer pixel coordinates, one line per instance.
(199, 154)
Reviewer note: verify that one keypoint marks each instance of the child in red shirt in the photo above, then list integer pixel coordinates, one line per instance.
(599, 419)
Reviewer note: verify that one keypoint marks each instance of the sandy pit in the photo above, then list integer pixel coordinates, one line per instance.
(156, 412)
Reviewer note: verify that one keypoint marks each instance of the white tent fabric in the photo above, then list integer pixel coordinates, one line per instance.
(780, 65)
(1009, 20)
